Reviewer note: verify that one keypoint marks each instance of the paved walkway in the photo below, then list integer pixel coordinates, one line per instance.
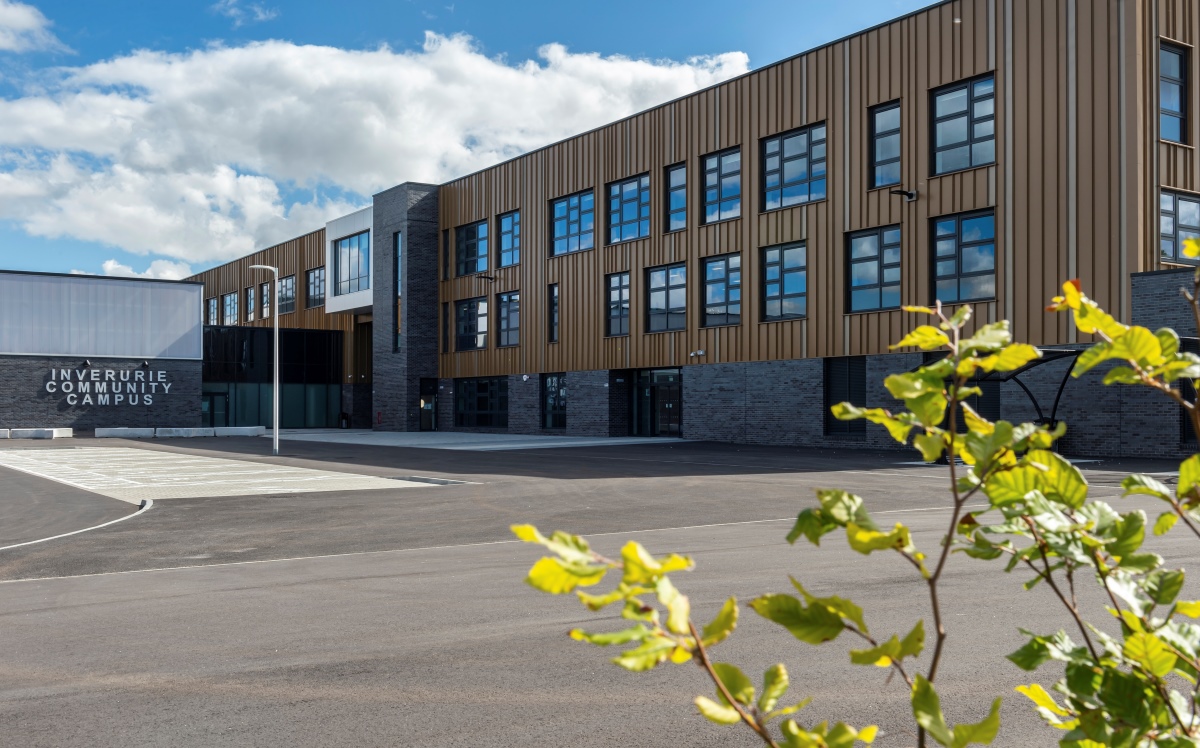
(458, 440)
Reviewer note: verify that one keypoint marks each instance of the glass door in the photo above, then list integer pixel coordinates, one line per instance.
(658, 403)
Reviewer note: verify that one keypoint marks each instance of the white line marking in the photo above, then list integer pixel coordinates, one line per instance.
(145, 508)
(430, 547)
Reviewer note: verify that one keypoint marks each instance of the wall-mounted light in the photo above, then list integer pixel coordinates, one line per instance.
(87, 362)
(909, 195)
(145, 364)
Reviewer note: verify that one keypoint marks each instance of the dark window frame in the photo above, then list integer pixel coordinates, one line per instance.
(446, 248)
(446, 327)
(314, 282)
(554, 405)
(1179, 231)
(959, 245)
(673, 315)
(552, 312)
(508, 319)
(719, 175)
(731, 266)
(640, 200)
(775, 147)
(671, 192)
(973, 121)
(266, 300)
(507, 257)
(229, 309)
(211, 311)
(882, 261)
(1182, 82)
(876, 135)
(249, 297)
(845, 380)
(578, 210)
(468, 317)
(471, 248)
(357, 259)
(775, 257)
(470, 393)
(616, 319)
(287, 294)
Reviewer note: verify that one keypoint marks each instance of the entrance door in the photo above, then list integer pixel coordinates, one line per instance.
(214, 409)
(658, 403)
(429, 404)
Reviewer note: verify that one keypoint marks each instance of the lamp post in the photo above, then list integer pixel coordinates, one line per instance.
(275, 366)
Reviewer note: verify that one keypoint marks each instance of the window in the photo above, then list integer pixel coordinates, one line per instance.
(552, 313)
(229, 302)
(964, 125)
(398, 258)
(666, 295)
(794, 167)
(572, 223)
(723, 291)
(1172, 93)
(785, 282)
(873, 269)
(722, 185)
(315, 280)
(470, 324)
(508, 315)
(965, 257)
(617, 321)
(250, 304)
(352, 264)
(265, 294)
(445, 254)
(1178, 221)
(629, 209)
(885, 144)
(211, 311)
(445, 327)
(287, 294)
(471, 248)
(554, 401)
(676, 197)
(845, 381)
(481, 403)
(510, 238)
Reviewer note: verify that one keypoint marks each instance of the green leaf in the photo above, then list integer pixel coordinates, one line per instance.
(812, 524)
(1032, 655)
(1062, 481)
(722, 715)
(925, 337)
(1148, 651)
(1039, 696)
(1121, 375)
(914, 641)
(930, 409)
(987, 338)
(815, 624)
(1139, 345)
(882, 655)
(1005, 487)
(1011, 357)
(636, 634)
(719, 629)
(642, 568)
(1164, 586)
(653, 651)
(960, 316)
(843, 508)
(679, 610)
(570, 547)
(866, 541)
(1126, 698)
(1091, 358)
(927, 710)
(1189, 476)
(556, 576)
(981, 732)
(1168, 340)
(738, 685)
(1144, 484)
(913, 384)
(1191, 609)
(775, 685)
(983, 445)
(838, 605)
(931, 445)
(597, 602)
(1130, 533)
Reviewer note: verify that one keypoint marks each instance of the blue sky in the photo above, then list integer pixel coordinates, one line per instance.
(167, 137)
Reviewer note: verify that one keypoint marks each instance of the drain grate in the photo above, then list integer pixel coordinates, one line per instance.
(434, 481)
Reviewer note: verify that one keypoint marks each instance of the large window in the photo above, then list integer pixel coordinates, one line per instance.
(352, 264)
(885, 144)
(794, 167)
(1178, 221)
(510, 238)
(471, 248)
(249, 295)
(552, 313)
(964, 125)
(845, 381)
(470, 324)
(629, 209)
(964, 249)
(676, 197)
(287, 294)
(617, 319)
(229, 303)
(265, 295)
(873, 269)
(722, 185)
(315, 280)
(508, 316)
(723, 290)
(573, 223)
(785, 282)
(1172, 93)
(481, 403)
(445, 327)
(211, 311)
(666, 298)
(554, 401)
(445, 254)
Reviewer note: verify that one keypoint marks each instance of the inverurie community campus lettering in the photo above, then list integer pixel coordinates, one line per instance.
(108, 386)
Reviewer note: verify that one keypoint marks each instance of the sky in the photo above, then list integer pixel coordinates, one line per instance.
(160, 139)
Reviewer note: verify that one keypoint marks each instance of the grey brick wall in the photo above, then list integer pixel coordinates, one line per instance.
(410, 209)
(356, 403)
(769, 402)
(26, 403)
(588, 408)
(524, 404)
(1156, 300)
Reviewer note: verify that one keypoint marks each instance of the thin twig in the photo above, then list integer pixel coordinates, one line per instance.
(871, 640)
(1048, 576)
(705, 663)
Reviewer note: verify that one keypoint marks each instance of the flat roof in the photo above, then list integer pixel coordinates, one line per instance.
(102, 277)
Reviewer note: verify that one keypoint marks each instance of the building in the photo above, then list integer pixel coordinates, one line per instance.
(726, 265)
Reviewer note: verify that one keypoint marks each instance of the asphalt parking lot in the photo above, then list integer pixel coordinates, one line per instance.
(397, 616)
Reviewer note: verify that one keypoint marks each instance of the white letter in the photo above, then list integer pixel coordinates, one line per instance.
(71, 399)
(119, 399)
(149, 399)
(167, 387)
(87, 399)
(51, 386)
(68, 386)
(102, 399)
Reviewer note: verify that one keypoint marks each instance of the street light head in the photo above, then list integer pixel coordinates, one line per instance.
(265, 267)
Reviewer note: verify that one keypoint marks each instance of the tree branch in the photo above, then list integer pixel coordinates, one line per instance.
(749, 719)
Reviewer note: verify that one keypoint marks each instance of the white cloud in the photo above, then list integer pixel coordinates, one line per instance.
(23, 28)
(252, 13)
(162, 269)
(199, 157)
